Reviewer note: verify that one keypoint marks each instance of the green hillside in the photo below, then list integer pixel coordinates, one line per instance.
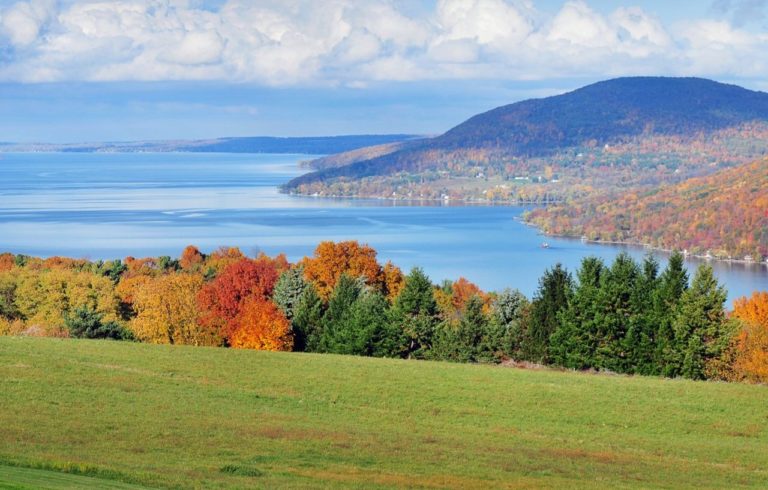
(163, 416)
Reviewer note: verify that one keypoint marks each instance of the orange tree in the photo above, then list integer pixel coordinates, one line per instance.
(331, 260)
(261, 325)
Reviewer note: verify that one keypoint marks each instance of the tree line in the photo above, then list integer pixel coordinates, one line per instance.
(623, 317)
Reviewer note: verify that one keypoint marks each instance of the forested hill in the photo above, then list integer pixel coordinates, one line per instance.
(724, 214)
(609, 112)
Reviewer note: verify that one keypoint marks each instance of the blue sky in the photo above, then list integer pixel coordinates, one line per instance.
(84, 70)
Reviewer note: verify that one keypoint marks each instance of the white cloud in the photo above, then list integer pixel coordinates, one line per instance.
(577, 24)
(353, 42)
(485, 21)
(22, 22)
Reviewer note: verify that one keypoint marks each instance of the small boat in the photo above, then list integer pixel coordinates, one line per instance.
(545, 245)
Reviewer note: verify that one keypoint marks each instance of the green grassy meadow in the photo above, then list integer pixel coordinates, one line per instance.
(78, 413)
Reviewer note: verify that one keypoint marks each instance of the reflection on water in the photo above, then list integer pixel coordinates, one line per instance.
(113, 205)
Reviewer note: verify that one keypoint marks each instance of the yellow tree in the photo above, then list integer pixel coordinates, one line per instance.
(44, 297)
(167, 313)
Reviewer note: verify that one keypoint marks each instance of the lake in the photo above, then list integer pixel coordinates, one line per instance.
(109, 205)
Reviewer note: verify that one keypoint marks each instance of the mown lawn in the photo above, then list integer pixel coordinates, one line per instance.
(163, 416)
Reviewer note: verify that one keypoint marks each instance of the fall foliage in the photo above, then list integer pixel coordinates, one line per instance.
(222, 299)
(331, 260)
(723, 215)
(261, 325)
(751, 342)
(166, 312)
(626, 317)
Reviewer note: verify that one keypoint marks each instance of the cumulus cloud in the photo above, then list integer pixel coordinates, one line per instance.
(354, 42)
(23, 21)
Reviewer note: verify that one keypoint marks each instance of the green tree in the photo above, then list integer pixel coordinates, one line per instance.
(466, 341)
(8, 307)
(507, 318)
(343, 296)
(289, 289)
(364, 329)
(617, 307)
(167, 264)
(701, 332)
(640, 341)
(672, 283)
(576, 339)
(114, 269)
(307, 320)
(415, 313)
(555, 289)
(87, 323)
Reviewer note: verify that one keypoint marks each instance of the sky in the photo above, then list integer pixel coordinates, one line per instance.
(84, 70)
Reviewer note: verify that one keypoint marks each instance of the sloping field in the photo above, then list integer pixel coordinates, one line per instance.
(161, 416)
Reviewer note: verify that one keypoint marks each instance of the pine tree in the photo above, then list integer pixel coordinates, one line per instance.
(307, 320)
(575, 341)
(288, 289)
(86, 323)
(671, 286)
(341, 300)
(509, 310)
(616, 305)
(555, 289)
(415, 313)
(700, 328)
(640, 341)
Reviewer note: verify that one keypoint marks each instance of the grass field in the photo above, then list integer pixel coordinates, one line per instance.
(77, 413)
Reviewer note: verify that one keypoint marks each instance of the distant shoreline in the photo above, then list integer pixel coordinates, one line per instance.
(638, 244)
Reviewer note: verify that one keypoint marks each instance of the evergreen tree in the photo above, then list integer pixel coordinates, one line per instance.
(342, 298)
(575, 341)
(167, 264)
(700, 328)
(307, 320)
(87, 323)
(114, 269)
(671, 286)
(509, 310)
(288, 289)
(368, 329)
(640, 342)
(415, 313)
(555, 289)
(615, 302)
(8, 307)
(466, 341)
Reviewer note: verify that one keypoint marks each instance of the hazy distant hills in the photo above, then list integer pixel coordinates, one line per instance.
(313, 145)
(623, 111)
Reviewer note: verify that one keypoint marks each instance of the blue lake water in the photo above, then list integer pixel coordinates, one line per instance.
(101, 205)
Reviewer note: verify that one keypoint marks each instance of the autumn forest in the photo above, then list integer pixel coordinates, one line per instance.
(624, 317)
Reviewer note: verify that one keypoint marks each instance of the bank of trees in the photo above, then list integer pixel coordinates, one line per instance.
(624, 317)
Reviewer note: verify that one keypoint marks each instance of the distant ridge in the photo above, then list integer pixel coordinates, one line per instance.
(311, 145)
(602, 113)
